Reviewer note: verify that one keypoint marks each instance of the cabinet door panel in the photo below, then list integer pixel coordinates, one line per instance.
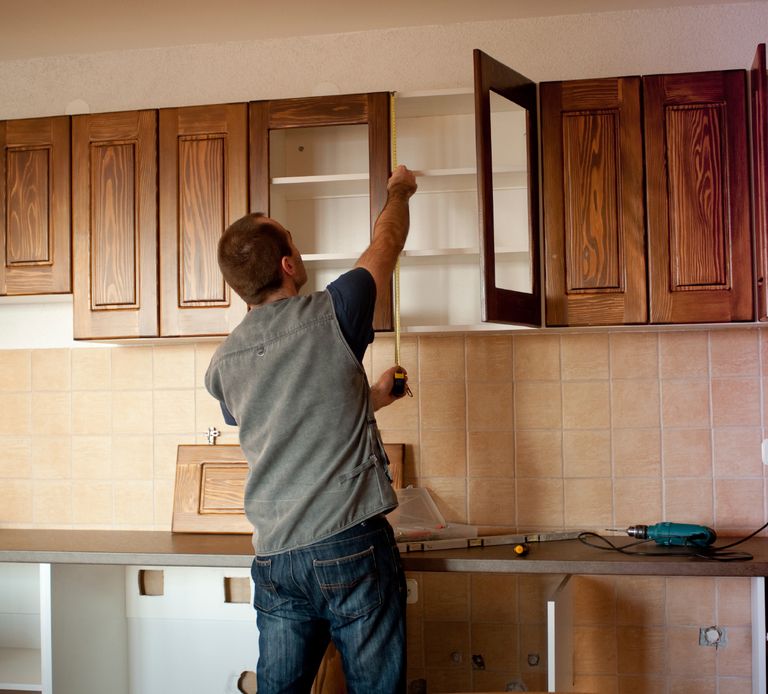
(495, 81)
(593, 202)
(114, 216)
(698, 197)
(35, 254)
(203, 189)
(759, 101)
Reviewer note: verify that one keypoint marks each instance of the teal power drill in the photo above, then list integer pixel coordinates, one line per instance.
(674, 534)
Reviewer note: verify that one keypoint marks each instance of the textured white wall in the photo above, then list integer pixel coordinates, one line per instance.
(567, 47)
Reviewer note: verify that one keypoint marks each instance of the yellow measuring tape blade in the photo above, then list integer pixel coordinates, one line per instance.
(396, 275)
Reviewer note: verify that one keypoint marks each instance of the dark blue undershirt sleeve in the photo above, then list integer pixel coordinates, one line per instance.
(354, 298)
(228, 416)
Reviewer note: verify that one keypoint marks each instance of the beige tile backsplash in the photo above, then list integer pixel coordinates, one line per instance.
(516, 431)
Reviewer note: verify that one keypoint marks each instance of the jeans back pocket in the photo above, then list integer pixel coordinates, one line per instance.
(265, 595)
(350, 584)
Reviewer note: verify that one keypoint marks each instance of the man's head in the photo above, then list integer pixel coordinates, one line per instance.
(257, 257)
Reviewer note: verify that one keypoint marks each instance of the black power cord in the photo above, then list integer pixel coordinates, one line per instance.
(690, 549)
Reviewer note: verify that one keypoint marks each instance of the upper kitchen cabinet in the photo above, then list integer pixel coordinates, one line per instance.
(759, 101)
(594, 233)
(114, 217)
(687, 228)
(203, 166)
(474, 156)
(320, 165)
(35, 206)
(699, 232)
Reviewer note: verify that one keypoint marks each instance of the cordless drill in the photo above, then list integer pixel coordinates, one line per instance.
(674, 534)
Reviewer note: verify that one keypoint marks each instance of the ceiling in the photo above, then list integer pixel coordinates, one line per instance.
(32, 28)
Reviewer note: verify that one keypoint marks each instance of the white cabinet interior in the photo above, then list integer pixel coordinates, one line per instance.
(189, 636)
(88, 629)
(24, 640)
(319, 190)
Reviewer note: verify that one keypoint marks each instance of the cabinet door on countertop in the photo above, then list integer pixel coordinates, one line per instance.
(592, 152)
(114, 217)
(203, 189)
(35, 253)
(697, 177)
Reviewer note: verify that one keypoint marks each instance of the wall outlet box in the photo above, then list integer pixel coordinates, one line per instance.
(764, 451)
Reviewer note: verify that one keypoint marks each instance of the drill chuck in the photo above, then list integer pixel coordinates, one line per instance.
(677, 534)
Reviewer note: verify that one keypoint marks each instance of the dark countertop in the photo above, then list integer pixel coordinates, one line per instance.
(161, 548)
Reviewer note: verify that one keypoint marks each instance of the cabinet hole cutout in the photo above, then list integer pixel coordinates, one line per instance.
(247, 682)
(237, 589)
(151, 582)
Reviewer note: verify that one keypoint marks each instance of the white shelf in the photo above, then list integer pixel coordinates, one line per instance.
(407, 256)
(20, 669)
(328, 185)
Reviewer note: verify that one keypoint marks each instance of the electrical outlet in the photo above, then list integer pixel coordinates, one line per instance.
(713, 636)
(413, 590)
(764, 451)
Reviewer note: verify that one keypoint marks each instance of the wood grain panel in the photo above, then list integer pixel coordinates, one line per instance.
(590, 144)
(114, 217)
(203, 189)
(201, 219)
(28, 233)
(35, 257)
(114, 247)
(221, 487)
(697, 183)
(208, 493)
(759, 101)
(379, 166)
(699, 231)
(353, 109)
(594, 234)
(318, 111)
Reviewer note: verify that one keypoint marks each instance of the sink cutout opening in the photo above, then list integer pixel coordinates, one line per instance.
(151, 582)
(237, 589)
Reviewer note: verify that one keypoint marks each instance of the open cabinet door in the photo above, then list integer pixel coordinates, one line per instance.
(759, 82)
(508, 193)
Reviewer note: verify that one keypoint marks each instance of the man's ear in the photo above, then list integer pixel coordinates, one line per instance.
(287, 265)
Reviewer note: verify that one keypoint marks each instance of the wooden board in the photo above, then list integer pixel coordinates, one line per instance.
(208, 494)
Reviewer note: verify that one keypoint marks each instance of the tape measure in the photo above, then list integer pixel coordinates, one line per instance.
(399, 384)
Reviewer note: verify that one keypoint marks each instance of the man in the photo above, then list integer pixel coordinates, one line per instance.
(290, 375)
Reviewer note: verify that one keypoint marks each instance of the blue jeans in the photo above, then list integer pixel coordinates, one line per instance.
(349, 588)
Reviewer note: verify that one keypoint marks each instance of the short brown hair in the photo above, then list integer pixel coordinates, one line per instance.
(250, 251)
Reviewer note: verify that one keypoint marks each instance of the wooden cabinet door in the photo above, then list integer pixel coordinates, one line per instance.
(697, 177)
(594, 233)
(759, 102)
(354, 109)
(114, 217)
(203, 189)
(503, 304)
(35, 248)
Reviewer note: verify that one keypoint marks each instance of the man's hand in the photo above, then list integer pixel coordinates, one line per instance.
(402, 182)
(381, 391)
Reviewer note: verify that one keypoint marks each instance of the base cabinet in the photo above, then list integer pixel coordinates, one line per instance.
(150, 631)
(24, 633)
